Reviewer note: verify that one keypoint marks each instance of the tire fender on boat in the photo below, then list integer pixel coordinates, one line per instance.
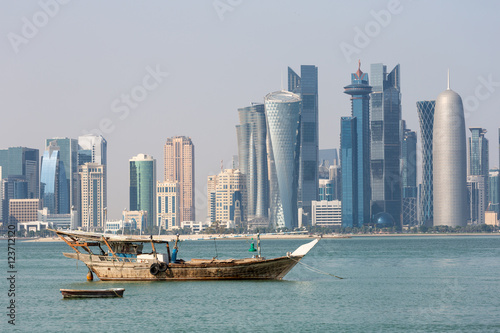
(162, 266)
(154, 269)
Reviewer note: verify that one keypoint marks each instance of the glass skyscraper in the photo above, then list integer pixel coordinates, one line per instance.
(478, 152)
(252, 154)
(386, 142)
(409, 177)
(349, 167)
(68, 155)
(143, 186)
(494, 190)
(306, 85)
(359, 89)
(283, 122)
(425, 110)
(54, 187)
(479, 168)
(22, 162)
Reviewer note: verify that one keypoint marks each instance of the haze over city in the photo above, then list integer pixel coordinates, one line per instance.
(199, 63)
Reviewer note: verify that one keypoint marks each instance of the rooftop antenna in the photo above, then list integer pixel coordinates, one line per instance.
(448, 79)
(281, 76)
(221, 165)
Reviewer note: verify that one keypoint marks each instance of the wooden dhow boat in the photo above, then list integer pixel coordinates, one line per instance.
(123, 260)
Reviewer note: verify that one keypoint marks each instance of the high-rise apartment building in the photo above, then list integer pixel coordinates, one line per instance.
(409, 177)
(479, 167)
(22, 162)
(252, 155)
(360, 90)
(179, 167)
(449, 161)
(478, 152)
(54, 187)
(226, 192)
(92, 203)
(143, 186)
(476, 198)
(349, 167)
(167, 205)
(283, 122)
(425, 110)
(68, 155)
(386, 141)
(94, 149)
(494, 190)
(306, 86)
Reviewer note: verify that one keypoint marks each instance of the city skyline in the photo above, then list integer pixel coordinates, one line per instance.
(68, 83)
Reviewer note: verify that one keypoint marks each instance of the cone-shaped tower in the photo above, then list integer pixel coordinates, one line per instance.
(449, 160)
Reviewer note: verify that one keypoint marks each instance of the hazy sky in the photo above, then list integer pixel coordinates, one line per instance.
(71, 71)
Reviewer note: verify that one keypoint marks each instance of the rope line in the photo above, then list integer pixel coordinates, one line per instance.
(316, 270)
(116, 293)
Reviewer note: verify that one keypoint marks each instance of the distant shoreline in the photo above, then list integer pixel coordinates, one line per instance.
(274, 236)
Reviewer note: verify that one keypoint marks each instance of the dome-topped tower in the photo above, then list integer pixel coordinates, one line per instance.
(449, 160)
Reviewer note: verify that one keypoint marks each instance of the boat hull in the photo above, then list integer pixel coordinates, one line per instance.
(94, 293)
(129, 269)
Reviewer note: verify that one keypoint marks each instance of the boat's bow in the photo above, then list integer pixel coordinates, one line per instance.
(304, 249)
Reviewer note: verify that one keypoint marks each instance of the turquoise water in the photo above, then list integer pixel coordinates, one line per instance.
(392, 284)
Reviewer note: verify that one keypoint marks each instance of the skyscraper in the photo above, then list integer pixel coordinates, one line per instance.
(68, 155)
(167, 194)
(494, 190)
(92, 203)
(449, 160)
(349, 167)
(94, 149)
(54, 187)
(386, 142)
(478, 152)
(306, 86)
(359, 89)
(226, 189)
(143, 186)
(425, 110)
(283, 123)
(476, 196)
(252, 155)
(479, 168)
(22, 161)
(409, 177)
(93, 146)
(179, 167)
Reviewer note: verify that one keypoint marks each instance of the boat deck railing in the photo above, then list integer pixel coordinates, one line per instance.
(121, 259)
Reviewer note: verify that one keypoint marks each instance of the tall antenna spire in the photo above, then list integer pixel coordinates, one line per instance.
(448, 79)
(281, 79)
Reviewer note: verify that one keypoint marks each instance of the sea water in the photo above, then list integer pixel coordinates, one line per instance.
(390, 284)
